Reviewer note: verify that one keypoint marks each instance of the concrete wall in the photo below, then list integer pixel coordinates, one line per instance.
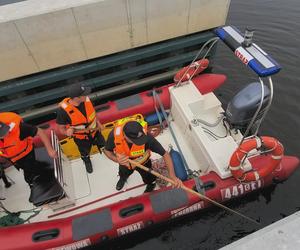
(38, 35)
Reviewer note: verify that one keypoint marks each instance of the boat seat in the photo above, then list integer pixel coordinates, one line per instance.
(45, 190)
(45, 187)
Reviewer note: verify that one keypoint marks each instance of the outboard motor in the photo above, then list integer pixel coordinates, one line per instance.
(243, 106)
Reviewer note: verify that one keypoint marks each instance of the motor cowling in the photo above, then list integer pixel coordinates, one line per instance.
(242, 107)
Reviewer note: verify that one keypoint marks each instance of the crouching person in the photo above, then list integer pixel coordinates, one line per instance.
(131, 141)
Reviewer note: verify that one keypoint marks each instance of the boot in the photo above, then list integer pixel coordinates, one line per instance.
(100, 149)
(8, 184)
(31, 194)
(150, 187)
(88, 164)
(120, 183)
(5, 180)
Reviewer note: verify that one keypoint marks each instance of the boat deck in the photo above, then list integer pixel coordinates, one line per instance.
(86, 187)
(203, 152)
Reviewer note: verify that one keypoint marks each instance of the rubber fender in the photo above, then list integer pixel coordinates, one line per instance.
(153, 118)
(178, 165)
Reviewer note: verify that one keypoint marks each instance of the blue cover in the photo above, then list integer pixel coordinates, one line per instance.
(179, 168)
(253, 56)
(153, 118)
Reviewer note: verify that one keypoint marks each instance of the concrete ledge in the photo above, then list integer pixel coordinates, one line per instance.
(39, 35)
(29, 8)
(283, 234)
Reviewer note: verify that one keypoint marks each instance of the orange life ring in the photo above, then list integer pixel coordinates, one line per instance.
(192, 70)
(270, 143)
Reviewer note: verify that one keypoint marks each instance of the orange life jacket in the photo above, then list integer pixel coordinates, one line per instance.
(136, 152)
(11, 146)
(78, 120)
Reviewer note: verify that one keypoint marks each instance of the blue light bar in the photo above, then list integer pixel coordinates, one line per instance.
(253, 56)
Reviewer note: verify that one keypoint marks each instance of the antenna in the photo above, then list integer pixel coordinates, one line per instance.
(248, 37)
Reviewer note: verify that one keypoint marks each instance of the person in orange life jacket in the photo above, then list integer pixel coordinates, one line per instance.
(16, 145)
(127, 141)
(76, 117)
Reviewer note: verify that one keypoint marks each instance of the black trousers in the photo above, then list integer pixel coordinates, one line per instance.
(85, 145)
(148, 178)
(3, 176)
(33, 168)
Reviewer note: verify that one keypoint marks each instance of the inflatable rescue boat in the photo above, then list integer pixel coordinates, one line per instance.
(216, 153)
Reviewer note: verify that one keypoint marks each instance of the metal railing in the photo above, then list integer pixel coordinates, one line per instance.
(58, 171)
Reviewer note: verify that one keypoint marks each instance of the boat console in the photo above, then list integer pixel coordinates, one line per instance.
(193, 116)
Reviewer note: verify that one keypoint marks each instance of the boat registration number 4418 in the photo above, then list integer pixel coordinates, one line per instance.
(240, 189)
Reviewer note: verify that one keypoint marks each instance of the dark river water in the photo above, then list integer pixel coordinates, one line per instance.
(277, 31)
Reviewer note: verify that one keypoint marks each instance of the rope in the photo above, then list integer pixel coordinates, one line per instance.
(13, 218)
